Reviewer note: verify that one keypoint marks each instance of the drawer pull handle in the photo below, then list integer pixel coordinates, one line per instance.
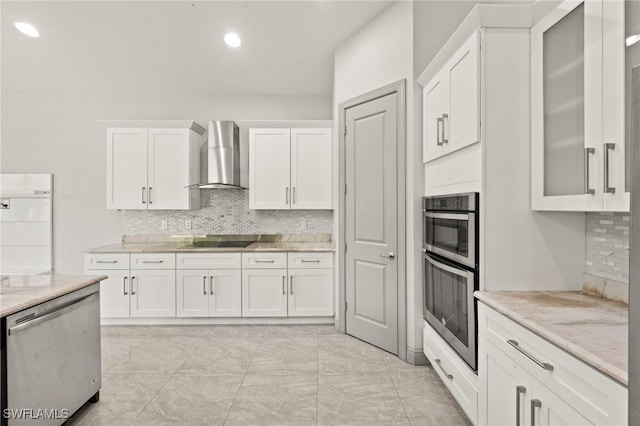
(535, 403)
(264, 261)
(543, 365)
(153, 261)
(310, 261)
(439, 364)
(106, 261)
(520, 390)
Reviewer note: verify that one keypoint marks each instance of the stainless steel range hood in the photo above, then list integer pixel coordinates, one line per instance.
(220, 157)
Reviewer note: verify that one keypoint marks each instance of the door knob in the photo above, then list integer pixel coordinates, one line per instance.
(389, 255)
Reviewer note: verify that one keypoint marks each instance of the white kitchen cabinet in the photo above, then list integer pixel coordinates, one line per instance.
(451, 102)
(264, 292)
(556, 387)
(214, 292)
(310, 284)
(150, 168)
(290, 168)
(148, 291)
(533, 403)
(153, 293)
(578, 135)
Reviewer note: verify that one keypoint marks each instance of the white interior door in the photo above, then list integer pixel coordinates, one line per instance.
(126, 168)
(371, 222)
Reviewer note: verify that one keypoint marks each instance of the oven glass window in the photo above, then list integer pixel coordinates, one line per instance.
(451, 235)
(446, 298)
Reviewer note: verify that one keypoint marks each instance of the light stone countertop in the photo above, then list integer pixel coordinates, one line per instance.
(18, 292)
(593, 329)
(181, 247)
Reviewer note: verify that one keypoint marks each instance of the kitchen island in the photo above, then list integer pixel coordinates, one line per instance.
(50, 350)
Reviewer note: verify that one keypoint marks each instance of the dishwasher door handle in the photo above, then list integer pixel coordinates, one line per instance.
(52, 315)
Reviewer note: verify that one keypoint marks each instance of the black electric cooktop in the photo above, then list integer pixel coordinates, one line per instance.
(219, 244)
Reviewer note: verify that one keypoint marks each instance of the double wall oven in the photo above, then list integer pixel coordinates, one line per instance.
(450, 269)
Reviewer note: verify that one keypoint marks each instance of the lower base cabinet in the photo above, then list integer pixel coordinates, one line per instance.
(524, 379)
(264, 293)
(513, 397)
(310, 292)
(153, 293)
(114, 293)
(209, 293)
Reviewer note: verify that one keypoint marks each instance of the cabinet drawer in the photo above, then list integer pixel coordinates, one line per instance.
(453, 372)
(209, 261)
(153, 261)
(310, 260)
(106, 261)
(264, 260)
(597, 397)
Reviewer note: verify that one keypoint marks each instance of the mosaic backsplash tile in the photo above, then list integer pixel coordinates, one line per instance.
(227, 212)
(607, 252)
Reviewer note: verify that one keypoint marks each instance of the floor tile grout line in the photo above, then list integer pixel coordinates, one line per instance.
(243, 377)
(395, 387)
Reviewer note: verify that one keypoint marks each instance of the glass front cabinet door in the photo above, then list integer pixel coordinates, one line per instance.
(578, 135)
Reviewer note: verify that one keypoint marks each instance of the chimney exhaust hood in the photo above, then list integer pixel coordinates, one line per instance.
(220, 157)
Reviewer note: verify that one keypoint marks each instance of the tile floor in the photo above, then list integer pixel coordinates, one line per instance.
(259, 375)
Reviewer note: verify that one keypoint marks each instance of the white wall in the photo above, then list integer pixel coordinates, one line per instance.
(379, 54)
(59, 133)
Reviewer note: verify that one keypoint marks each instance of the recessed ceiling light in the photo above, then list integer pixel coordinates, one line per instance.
(632, 39)
(27, 29)
(232, 40)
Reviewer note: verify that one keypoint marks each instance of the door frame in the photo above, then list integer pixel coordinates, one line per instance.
(399, 88)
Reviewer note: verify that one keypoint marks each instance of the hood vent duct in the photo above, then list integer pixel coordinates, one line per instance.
(220, 157)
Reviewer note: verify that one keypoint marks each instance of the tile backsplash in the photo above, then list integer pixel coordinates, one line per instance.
(227, 211)
(607, 251)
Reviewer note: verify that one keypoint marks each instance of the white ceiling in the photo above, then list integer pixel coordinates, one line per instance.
(287, 47)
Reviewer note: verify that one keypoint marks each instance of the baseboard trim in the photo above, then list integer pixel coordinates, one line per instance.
(416, 357)
(216, 321)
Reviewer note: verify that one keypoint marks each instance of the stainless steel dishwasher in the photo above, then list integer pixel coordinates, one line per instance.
(53, 358)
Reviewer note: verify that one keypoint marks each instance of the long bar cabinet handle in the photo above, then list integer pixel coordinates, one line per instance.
(543, 365)
(608, 189)
(439, 364)
(211, 282)
(291, 289)
(587, 153)
(445, 124)
(204, 285)
(284, 291)
(520, 390)
(124, 286)
(439, 131)
(535, 403)
(143, 198)
(133, 286)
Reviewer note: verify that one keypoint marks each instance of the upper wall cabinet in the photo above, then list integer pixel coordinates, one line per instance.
(150, 168)
(290, 168)
(578, 136)
(451, 104)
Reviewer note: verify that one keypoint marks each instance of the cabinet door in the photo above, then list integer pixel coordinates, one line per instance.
(169, 169)
(311, 168)
(269, 169)
(153, 293)
(433, 111)
(310, 292)
(613, 106)
(264, 293)
(504, 388)
(461, 121)
(127, 169)
(114, 292)
(225, 293)
(567, 148)
(548, 409)
(192, 291)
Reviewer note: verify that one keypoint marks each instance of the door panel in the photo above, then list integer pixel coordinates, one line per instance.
(371, 222)
(126, 168)
(191, 293)
(225, 288)
(153, 293)
(311, 168)
(114, 293)
(310, 292)
(264, 293)
(168, 169)
(269, 168)
(433, 104)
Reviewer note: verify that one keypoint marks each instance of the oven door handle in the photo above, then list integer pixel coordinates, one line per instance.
(451, 216)
(445, 267)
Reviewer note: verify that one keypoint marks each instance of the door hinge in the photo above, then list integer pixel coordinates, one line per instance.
(345, 306)
(345, 247)
(345, 188)
(345, 131)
